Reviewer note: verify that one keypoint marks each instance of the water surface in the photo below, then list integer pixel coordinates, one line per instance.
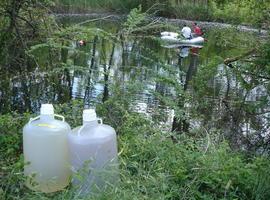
(88, 72)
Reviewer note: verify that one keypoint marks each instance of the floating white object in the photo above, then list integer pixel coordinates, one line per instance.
(171, 34)
(172, 37)
(46, 151)
(172, 46)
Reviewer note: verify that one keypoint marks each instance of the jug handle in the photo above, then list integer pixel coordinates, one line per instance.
(79, 131)
(33, 119)
(60, 116)
(100, 121)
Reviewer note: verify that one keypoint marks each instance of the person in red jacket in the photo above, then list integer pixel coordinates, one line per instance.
(82, 43)
(197, 30)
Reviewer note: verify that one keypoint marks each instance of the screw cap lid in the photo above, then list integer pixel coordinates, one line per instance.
(89, 115)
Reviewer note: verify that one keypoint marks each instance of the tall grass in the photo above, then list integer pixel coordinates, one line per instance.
(153, 166)
(242, 11)
(104, 5)
(179, 9)
(188, 10)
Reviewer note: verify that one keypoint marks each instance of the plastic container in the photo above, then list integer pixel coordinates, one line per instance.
(93, 153)
(46, 151)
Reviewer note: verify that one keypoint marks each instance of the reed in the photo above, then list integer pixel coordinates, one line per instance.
(168, 8)
(243, 11)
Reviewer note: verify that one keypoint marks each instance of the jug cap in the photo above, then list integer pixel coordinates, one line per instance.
(89, 115)
(46, 109)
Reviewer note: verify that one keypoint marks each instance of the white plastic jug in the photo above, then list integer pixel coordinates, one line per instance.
(46, 150)
(93, 153)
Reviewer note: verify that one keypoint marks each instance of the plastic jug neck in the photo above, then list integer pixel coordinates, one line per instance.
(46, 112)
(46, 117)
(90, 117)
(90, 123)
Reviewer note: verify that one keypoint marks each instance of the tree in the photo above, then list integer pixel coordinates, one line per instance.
(22, 24)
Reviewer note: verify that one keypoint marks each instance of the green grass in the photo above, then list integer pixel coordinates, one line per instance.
(152, 165)
(167, 8)
(250, 12)
(86, 6)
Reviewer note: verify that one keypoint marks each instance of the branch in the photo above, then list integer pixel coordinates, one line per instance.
(208, 141)
(227, 61)
(25, 20)
(93, 20)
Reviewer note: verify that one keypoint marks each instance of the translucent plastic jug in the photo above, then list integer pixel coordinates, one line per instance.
(46, 150)
(93, 151)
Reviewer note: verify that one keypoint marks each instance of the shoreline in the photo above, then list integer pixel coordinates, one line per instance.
(177, 22)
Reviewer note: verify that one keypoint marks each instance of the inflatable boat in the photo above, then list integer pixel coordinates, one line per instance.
(180, 45)
(172, 37)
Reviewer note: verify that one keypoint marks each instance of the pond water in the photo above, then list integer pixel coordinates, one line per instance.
(89, 71)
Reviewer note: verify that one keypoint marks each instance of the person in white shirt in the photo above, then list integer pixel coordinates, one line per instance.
(186, 32)
(184, 51)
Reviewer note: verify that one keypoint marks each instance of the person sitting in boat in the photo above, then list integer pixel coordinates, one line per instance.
(186, 32)
(197, 30)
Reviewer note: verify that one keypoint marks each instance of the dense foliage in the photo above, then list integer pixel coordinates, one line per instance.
(22, 24)
(206, 162)
(154, 164)
(244, 11)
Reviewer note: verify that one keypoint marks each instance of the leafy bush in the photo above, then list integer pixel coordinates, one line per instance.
(250, 12)
(243, 11)
(153, 165)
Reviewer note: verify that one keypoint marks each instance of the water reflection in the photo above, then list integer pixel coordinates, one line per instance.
(96, 64)
(87, 71)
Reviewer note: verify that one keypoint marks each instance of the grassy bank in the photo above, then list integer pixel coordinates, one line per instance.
(153, 164)
(244, 11)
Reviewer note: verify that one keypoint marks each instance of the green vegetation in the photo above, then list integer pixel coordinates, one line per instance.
(212, 161)
(22, 24)
(251, 12)
(154, 164)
